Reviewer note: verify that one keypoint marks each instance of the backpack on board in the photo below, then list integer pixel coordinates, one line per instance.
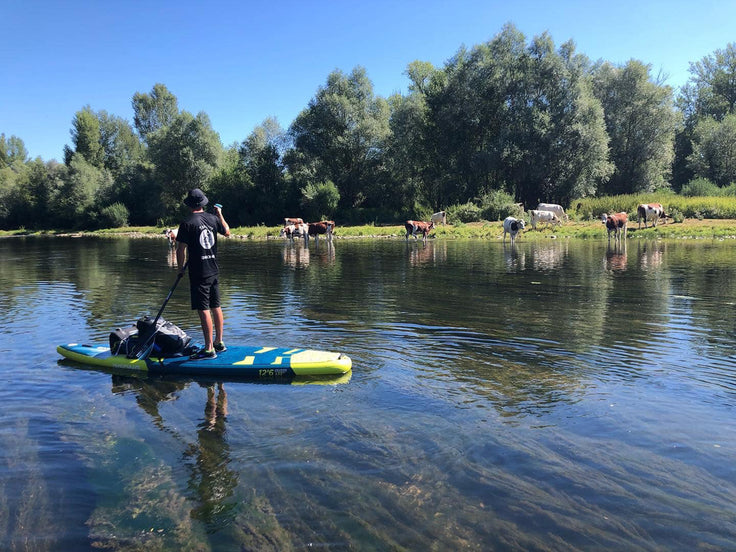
(169, 339)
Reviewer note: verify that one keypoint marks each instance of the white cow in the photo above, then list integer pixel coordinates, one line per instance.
(512, 226)
(554, 208)
(543, 216)
(439, 217)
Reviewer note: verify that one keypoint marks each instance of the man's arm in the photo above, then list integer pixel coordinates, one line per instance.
(181, 255)
(218, 210)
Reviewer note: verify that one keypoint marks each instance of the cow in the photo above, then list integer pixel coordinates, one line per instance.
(288, 221)
(615, 224)
(324, 227)
(414, 227)
(543, 216)
(288, 232)
(555, 208)
(439, 217)
(650, 211)
(170, 234)
(512, 226)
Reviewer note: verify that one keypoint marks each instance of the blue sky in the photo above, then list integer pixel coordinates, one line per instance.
(244, 61)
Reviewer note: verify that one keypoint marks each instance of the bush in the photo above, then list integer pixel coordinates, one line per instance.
(701, 187)
(114, 216)
(319, 201)
(468, 212)
(497, 205)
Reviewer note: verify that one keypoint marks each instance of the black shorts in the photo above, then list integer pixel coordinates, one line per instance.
(205, 293)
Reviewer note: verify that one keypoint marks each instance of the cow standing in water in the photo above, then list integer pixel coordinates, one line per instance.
(324, 228)
(615, 224)
(512, 226)
(414, 227)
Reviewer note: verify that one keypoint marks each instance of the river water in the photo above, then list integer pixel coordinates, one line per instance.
(554, 395)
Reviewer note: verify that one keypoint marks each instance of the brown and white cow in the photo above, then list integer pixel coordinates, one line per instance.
(650, 211)
(316, 229)
(512, 226)
(439, 217)
(288, 221)
(414, 227)
(615, 224)
(170, 234)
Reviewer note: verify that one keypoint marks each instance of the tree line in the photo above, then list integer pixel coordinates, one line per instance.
(504, 122)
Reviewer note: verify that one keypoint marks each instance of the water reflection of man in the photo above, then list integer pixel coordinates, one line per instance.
(211, 479)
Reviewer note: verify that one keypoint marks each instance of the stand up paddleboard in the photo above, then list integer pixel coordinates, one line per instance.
(236, 362)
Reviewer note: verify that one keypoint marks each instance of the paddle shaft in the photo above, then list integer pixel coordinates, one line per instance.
(144, 347)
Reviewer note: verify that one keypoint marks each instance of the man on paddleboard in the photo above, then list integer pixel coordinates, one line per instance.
(197, 241)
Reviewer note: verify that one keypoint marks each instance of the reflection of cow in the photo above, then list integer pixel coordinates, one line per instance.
(439, 217)
(543, 216)
(616, 257)
(414, 227)
(554, 208)
(615, 224)
(512, 226)
(650, 211)
(316, 229)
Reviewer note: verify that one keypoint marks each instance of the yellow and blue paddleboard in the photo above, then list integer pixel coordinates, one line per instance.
(236, 362)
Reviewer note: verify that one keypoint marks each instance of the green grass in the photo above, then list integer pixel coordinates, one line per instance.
(688, 228)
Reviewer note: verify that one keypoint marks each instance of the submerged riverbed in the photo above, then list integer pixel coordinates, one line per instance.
(554, 395)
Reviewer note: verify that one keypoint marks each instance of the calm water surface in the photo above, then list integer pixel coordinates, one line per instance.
(552, 396)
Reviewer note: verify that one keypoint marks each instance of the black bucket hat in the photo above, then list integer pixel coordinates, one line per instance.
(196, 199)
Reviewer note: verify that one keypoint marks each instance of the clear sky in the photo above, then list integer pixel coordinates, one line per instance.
(243, 61)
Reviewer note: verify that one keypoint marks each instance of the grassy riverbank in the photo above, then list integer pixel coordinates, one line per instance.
(687, 229)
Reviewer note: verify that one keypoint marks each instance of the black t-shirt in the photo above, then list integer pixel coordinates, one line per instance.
(199, 232)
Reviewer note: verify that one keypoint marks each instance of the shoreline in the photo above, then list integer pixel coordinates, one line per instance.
(687, 229)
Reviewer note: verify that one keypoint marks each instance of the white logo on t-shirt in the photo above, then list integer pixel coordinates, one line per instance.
(206, 239)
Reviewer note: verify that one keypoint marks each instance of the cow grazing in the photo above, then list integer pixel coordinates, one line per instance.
(414, 227)
(439, 217)
(615, 224)
(543, 216)
(288, 221)
(650, 211)
(554, 208)
(316, 229)
(512, 226)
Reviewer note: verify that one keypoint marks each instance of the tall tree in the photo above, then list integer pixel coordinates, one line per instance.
(714, 150)
(710, 94)
(641, 122)
(86, 139)
(11, 150)
(184, 154)
(154, 111)
(121, 147)
(260, 154)
(340, 136)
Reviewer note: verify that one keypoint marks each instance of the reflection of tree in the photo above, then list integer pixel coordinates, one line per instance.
(211, 479)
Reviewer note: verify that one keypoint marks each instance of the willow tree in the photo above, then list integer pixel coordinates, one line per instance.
(340, 137)
(641, 122)
(510, 116)
(184, 155)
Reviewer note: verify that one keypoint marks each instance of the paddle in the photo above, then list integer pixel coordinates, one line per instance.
(145, 346)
